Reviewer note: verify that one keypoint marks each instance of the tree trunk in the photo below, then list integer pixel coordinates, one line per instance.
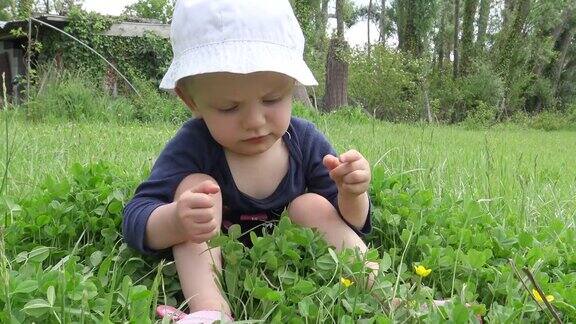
(521, 15)
(336, 93)
(507, 12)
(511, 43)
(513, 34)
(368, 25)
(426, 101)
(301, 95)
(321, 23)
(47, 6)
(483, 16)
(440, 39)
(565, 41)
(340, 18)
(449, 37)
(456, 32)
(539, 65)
(409, 40)
(382, 38)
(566, 16)
(400, 17)
(324, 13)
(468, 35)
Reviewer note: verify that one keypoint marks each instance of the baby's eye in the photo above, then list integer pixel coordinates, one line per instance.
(229, 109)
(271, 101)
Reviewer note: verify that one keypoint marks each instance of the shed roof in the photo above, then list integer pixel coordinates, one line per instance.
(132, 27)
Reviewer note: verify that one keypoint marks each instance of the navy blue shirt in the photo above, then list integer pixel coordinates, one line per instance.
(193, 150)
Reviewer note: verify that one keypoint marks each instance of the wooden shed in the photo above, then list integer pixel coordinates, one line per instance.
(13, 45)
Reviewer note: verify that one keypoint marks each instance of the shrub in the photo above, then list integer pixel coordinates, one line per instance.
(446, 97)
(71, 96)
(299, 110)
(77, 97)
(482, 87)
(155, 106)
(356, 114)
(549, 121)
(468, 98)
(484, 115)
(384, 84)
(571, 113)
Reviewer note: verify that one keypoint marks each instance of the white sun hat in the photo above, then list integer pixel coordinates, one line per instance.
(236, 36)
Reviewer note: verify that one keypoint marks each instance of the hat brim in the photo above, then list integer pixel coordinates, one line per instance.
(239, 57)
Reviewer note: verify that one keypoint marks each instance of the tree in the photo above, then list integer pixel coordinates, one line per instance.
(382, 22)
(313, 21)
(372, 13)
(507, 11)
(562, 46)
(47, 6)
(468, 35)
(414, 19)
(321, 24)
(25, 8)
(511, 57)
(63, 7)
(5, 10)
(456, 68)
(151, 9)
(440, 40)
(368, 24)
(336, 94)
(482, 24)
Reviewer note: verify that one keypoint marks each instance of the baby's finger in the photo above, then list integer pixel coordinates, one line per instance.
(357, 176)
(345, 168)
(206, 236)
(197, 200)
(206, 187)
(356, 189)
(204, 228)
(350, 156)
(330, 162)
(202, 215)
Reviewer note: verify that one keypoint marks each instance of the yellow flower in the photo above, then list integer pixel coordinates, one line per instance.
(422, 271)
(539, 299)
(346, 282)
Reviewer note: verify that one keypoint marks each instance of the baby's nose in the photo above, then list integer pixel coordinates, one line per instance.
(254, 118)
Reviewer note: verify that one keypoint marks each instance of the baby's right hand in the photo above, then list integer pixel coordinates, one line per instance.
(197, 215)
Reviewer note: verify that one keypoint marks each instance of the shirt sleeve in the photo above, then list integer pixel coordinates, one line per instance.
(177, 160)
(314, 147)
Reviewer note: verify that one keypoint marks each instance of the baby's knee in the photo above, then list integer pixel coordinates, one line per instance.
(187, 249)
(310, 209)
(191, 181)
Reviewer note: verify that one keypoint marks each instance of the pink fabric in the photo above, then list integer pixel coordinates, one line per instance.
(169, 311)
(200, 317)
(205, 317)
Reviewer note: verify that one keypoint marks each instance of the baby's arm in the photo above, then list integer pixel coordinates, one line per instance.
(351, 173)
(195, 214)
(354, 209)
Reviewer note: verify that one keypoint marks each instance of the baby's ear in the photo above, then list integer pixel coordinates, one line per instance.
(187, 100)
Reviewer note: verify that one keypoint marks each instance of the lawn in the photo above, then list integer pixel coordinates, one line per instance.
(463, 203)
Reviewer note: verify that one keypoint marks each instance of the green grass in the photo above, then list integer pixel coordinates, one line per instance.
(461, 202)
(531, 170)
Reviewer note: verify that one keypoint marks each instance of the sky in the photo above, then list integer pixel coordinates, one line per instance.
(356, 35)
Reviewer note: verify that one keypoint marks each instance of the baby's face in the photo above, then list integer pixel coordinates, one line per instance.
(245, 113)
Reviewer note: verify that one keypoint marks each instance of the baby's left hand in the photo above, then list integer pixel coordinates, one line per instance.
(350, 171)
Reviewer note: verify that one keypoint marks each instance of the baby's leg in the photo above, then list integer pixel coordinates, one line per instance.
(195, 263)
(314, 211)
